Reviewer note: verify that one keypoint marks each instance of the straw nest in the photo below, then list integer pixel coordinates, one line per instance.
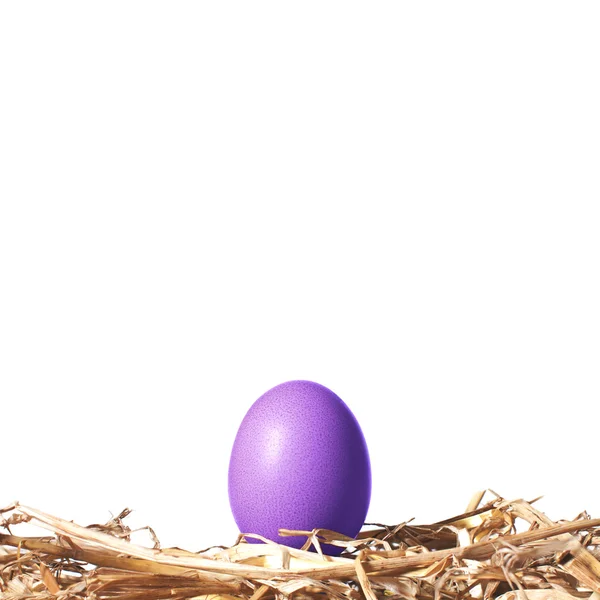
(495, 549)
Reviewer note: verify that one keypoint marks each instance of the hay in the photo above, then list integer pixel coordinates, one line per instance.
(482, 554)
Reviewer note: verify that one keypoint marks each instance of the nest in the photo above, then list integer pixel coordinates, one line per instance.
(497, 549)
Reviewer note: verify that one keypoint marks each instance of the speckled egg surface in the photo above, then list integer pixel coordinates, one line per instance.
(299, 461)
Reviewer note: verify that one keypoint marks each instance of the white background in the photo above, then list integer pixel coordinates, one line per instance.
(202, 200)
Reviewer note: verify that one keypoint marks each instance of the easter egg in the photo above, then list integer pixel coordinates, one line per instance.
(299, 461)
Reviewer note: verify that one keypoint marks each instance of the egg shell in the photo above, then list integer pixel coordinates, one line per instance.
(299, 461)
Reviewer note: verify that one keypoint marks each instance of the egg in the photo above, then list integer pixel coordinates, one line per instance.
(299, 461)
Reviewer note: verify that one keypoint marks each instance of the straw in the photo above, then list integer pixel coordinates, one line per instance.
(496, 549)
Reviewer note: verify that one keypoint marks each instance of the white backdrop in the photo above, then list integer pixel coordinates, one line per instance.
(202, 200)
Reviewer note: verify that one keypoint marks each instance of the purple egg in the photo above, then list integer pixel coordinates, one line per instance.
(299, 461)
